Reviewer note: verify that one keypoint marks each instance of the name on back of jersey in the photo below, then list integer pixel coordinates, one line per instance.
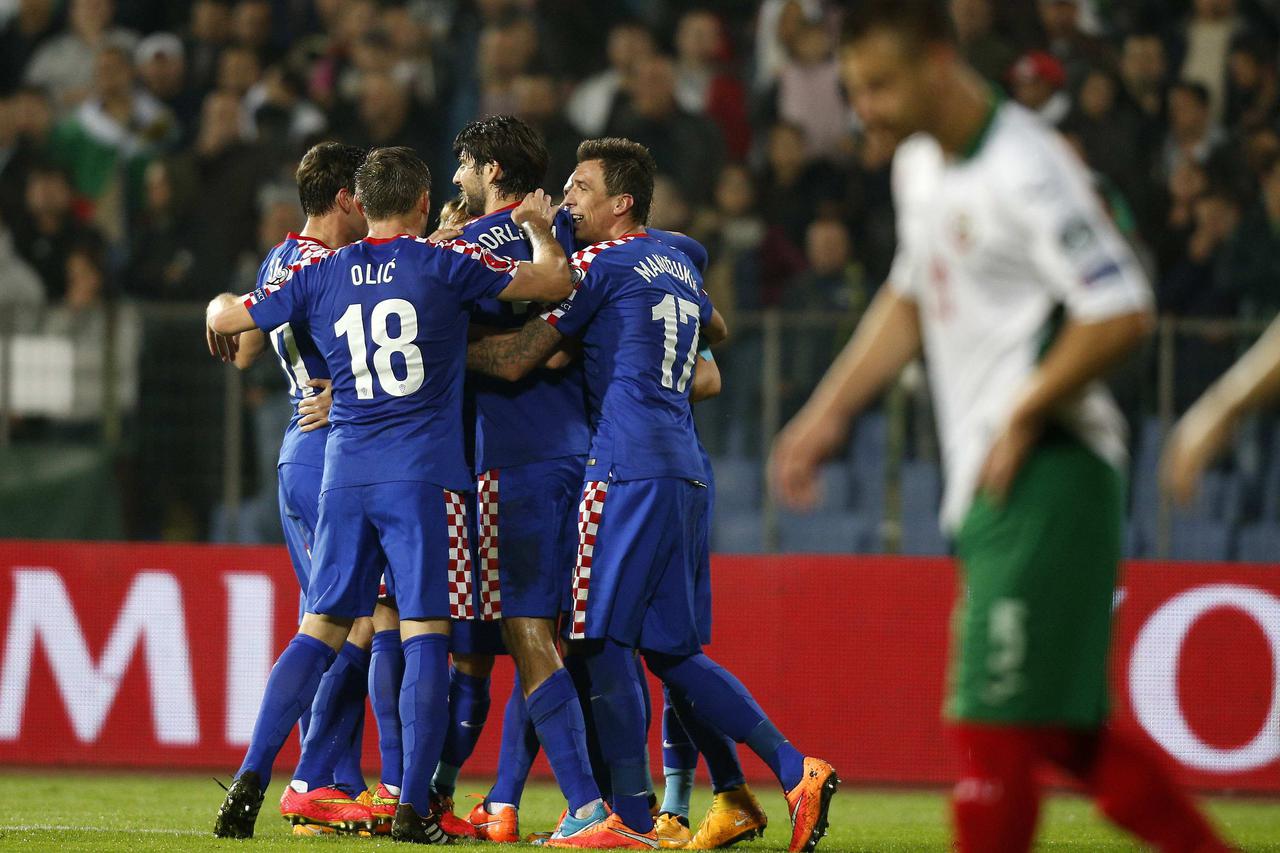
(501, 234)
(652, 266)
(373, 274)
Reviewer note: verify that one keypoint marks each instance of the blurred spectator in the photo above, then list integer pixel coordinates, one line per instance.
(105, 336)
(1198, 286)
(506, 52)
(279, 113)
(1144, 74)
(1108, 130)
(410, 44)
(49, 228)
(209, 31)
(1186, 185)
(107, 141)
(595, 98)
(161, 64)
(1068, 43)
(65, 65)
(387, 115)
(670, 210)
(1207, 35)
(702, 86)
(160, 264)
(986, 51)
(1193, 135)
(794, 188)
(251, 25)
(686, 146)
(1039, 84)
(538, 99)
(226, 171)
(22, 295)
(238, 70)
(869, 204)
(1252, 90)
(776, 26)
(810, 97)
(1261, 145)
(1253, 252)
(28, 122)
(31, 23)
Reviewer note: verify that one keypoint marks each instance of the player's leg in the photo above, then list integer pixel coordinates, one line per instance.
(298, 496)
(423, 533)
(348, 775)
(386, 672)
(468, 710)
(496, 818)
(291, 688)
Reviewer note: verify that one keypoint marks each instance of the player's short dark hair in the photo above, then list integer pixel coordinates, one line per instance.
(921, 22)
(512, 144)
(629, 169)
(325, 169)
(390, 181)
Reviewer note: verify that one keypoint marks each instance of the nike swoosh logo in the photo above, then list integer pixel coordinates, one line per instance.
(649, 842)
(666, 744)
(467, 724)
(742, 822)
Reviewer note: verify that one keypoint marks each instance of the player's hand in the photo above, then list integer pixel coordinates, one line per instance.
(804, 444)
(536, 207)
(442, 234)
(1006, 456)
(222, 347)
(1199, 437)
(314, 410)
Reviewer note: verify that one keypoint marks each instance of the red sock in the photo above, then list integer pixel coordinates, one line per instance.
(1133, 787)
(997, 800)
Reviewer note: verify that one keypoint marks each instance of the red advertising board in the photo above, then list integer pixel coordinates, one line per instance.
(120, 655)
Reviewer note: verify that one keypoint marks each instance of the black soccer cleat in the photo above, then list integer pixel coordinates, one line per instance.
(239, 811)
(408, 826)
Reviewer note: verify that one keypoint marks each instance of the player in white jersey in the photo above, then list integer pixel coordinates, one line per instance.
(1021, 294)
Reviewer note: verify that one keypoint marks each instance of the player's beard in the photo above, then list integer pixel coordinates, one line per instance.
(472, 199)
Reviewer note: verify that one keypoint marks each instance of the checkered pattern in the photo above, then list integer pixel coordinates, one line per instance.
(455, 514)
(283, 277)
(589, 513)
(477, 253)
(581, 262)
(487, 546)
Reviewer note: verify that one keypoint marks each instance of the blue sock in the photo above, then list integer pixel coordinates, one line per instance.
(618, 707)
(290, 691)
(720, 752)
(335, 713)
(349, 775)
(424, 714)
(468, 710)
(642, 676)
(386, 671)
(723, 702)
(679, 761)
(557, 717)
(576, 665)
(520, 747)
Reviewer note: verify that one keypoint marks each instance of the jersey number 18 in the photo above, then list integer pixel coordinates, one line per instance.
(351, 326)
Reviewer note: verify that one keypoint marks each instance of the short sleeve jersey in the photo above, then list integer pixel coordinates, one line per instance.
(297, 353)
(638, 307)
(544, 415)
(991, 247)
(390, 318)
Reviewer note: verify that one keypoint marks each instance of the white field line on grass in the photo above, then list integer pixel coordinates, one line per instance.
(58, 827)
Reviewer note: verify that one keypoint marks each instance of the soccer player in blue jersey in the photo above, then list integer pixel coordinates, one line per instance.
(389, 315)
(639, 310)
(326, 190)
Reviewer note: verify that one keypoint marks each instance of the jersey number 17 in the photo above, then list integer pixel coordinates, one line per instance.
(671, 312)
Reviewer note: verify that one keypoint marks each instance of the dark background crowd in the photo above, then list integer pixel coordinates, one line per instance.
(147, 150)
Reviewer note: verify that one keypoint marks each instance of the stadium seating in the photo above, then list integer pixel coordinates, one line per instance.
(739, 483)
(1259, 543)
(823, 532)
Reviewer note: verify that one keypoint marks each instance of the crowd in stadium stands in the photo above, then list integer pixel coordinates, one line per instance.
(147, 146)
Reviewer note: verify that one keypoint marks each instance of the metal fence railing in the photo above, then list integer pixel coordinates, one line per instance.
(117, 424)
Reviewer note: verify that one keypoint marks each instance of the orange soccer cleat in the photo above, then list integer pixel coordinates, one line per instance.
(672, 831)
(453, 826)
(734, 816)
(329, 807)
(808, 803)
(604, 830)
(382, 805)
(502, 826)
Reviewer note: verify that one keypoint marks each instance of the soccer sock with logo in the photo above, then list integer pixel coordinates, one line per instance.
(719, 750)
(424, 714)
(1133, 787)
(996, 802)
(618, 710)
(290, 690)
(557, 718)
(723, 701)
(576, 665)
(468, 710)
(519, 748)
(386, 672)
(335, 714)
(679, 760)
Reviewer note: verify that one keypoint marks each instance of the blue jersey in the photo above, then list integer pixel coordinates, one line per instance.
(390, 318)
(691, 247)
(298, 355)
(544, 415)
(638, 307)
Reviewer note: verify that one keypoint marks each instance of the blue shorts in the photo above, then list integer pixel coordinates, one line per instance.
(702, 572)
(638, 558)
(417, 531)
(299, 498)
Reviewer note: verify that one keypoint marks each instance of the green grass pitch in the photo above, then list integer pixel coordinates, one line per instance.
(42, 811)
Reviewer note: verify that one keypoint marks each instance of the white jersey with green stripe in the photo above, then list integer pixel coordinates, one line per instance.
(993, 247)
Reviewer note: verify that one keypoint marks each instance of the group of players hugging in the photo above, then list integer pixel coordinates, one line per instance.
(509, 466)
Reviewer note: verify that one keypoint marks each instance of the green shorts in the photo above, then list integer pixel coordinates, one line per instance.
(1032, 627)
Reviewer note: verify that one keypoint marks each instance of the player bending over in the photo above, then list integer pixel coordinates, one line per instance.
(389, 316)
(1019, 290)
(639, 308)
